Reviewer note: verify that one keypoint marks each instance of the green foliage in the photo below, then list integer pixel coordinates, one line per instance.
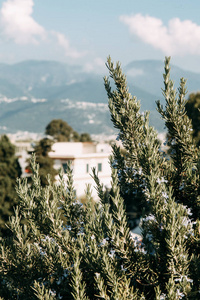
(10, 170)
(85, 137)
(139, 141)
(192, 108)
(43, 147)
(45, 162)
(63, 132)
(67, 250)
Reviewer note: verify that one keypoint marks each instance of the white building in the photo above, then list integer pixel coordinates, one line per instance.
(83, 157)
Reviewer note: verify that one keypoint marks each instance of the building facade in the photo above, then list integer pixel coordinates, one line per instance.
(83, 157)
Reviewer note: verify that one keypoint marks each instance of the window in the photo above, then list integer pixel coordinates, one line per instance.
(65, 167)
(66, 164)
(99, 167)
(87, 168)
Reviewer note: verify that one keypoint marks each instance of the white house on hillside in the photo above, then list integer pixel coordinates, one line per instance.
(83, 157)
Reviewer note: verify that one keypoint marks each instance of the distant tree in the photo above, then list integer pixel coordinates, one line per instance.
(10, 170)
(43, 147)
(192, 109)
(85, 137)
(41, 151)
(63, 132)
(75, 137)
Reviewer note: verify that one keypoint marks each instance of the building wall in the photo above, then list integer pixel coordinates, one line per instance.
(66, 148)
(84, 157)
(82, 171)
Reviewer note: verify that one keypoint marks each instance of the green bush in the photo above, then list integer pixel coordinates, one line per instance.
(67, 250)
(192, 109)
(10, 170)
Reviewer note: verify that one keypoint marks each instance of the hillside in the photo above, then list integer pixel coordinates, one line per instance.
(32, 93)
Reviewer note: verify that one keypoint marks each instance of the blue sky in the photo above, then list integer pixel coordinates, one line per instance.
(85, 32)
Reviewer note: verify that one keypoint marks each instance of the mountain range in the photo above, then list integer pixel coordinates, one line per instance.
(32, 93)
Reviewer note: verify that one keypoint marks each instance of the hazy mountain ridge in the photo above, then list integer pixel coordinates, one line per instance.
(149, 76)
(32, 93)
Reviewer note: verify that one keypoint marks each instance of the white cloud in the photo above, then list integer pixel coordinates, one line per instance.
(179, 37)
(65, 44)
(18, 24)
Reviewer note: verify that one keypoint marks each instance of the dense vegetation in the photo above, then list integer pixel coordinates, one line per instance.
(41, 151)
(90, 253)
(63, 132)
(192, 108)
(10, 170)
